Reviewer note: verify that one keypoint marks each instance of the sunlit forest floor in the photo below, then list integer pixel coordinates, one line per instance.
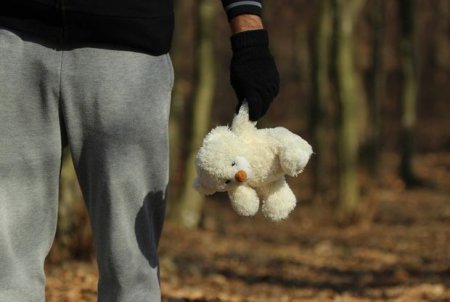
(403, 255)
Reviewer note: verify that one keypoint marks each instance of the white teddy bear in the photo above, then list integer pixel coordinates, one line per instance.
(250, 164)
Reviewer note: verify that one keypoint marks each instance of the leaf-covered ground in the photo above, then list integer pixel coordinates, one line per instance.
(404, 255)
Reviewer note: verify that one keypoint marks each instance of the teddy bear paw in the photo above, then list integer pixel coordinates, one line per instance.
(278, 206)
(244, 201)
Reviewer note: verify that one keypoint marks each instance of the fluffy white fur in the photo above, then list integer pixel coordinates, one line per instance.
(261, 156)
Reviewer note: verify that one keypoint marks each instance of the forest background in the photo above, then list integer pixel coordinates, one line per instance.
(367, 83)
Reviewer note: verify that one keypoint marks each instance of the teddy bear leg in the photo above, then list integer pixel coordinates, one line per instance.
(244, 200)
(278, 200)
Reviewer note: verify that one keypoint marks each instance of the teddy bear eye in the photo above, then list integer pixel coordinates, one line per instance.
(233, 164)
(227, 181)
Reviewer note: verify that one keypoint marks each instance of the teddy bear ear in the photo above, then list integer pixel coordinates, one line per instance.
(200, 188)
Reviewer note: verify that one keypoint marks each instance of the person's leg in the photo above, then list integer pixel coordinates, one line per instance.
(30, 159)
(116, 108)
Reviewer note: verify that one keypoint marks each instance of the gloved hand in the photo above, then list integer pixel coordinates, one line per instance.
(253, 73)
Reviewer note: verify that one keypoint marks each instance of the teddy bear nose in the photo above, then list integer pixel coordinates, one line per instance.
(240, 176)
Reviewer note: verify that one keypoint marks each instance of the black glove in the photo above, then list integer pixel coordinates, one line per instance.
(253, 73)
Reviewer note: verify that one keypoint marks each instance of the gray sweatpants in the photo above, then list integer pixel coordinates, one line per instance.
(112, 108)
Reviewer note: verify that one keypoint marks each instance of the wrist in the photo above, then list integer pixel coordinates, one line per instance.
(250, 39)
(245, 22)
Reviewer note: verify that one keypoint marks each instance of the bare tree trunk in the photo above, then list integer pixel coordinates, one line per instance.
(410, 86)
(320, 55)
(188, 210)
(441, 53)
(377, 84)
(181, 40)
(348, 193)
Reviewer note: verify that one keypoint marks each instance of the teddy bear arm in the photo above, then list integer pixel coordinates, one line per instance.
(294, 152)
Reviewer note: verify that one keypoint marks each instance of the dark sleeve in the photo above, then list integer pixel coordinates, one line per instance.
(234, 8)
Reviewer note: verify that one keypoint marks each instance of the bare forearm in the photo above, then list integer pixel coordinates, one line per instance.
(243, 15)
(245, 22)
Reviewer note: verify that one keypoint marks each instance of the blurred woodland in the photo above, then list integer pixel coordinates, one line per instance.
(367, 83)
